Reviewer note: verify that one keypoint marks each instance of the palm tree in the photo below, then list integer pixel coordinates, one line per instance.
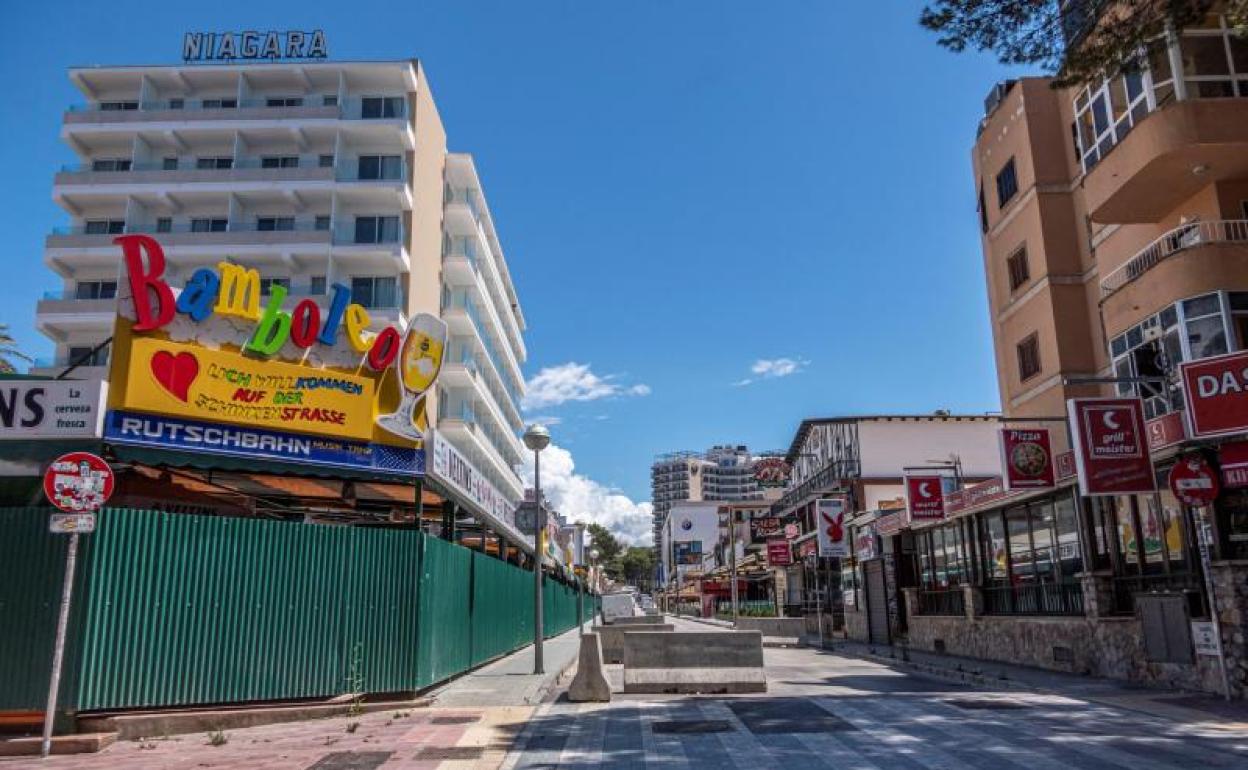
(10, 351)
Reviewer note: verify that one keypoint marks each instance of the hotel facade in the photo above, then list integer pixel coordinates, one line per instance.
(314, 173)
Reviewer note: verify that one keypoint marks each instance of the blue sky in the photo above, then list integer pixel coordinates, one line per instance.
(683, 190)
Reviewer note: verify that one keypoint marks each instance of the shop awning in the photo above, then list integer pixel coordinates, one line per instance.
(399, 494)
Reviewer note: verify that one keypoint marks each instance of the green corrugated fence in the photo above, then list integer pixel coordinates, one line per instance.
(174, 609)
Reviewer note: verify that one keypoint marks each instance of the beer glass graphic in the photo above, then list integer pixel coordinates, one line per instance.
(417, 366)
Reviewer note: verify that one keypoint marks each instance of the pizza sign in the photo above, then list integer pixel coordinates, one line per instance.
(1027, 457)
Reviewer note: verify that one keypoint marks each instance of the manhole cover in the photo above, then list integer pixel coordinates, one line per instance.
(352, 760)
(454, 720)
(451, 753)
(786, 716)
(987, 704)
(693, 726)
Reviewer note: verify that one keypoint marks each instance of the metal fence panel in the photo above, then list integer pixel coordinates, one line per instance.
(445, 641)
(502, 608)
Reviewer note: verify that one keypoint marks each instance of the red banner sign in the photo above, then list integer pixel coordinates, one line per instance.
(1216, 392)
(1111, 449)
(925, 498)
(1065, 464)
(977, 494)
(1027, 458)
(778, 553)
(1166, 430)
(1233, 458)
(1193, 481)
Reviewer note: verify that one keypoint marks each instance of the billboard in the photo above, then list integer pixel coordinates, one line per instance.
(206, 368)
(1216, 392)
(1111, 446)
(51, 409)
(689, 553)
(830, 524)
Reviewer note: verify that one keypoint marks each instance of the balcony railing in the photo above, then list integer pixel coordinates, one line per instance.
(945, 601)
(1179, 239)
(1034, 599)
(348, 109)
(342, 235)
(346, 171)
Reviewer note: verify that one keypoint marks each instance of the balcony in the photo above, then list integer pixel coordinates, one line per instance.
(1186, 261)
(1167, 158)
(177, 111)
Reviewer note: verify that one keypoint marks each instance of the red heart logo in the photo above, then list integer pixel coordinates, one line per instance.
(175, 373)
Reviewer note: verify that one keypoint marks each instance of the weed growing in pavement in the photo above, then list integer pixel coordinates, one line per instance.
(352, 726)
(402, 714)
(355, 680)
(218, 738)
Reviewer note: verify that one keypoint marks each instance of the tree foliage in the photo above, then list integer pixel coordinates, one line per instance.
(608, 547)
(9, 351)
(637, 565)
(1077, 41)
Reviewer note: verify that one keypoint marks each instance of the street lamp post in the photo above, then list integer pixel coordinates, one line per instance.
(596, 583)
(537, 438)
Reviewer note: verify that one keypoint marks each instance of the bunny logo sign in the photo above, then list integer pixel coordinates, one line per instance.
(831, 526)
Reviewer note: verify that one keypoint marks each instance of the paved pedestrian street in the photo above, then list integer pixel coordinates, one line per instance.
(825, 710)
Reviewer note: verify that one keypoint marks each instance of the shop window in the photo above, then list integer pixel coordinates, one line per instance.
(995, 560)
(1066, 519)
(1007, 183)
(1021, 559)
(1018, 268)
(1028, 358)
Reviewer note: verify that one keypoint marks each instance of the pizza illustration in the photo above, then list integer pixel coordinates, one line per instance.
(1029, 458)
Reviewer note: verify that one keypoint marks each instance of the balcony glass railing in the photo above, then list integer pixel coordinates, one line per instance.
(460, 300)
(355, 108)
(348, 171)
(342, 235)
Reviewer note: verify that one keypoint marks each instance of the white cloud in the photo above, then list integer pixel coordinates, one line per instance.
(555, 385)
(773, 368)
(579, 498)
(545, 419)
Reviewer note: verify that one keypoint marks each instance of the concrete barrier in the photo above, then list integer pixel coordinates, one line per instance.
(640, 620)
(590, 683)
(776, 631)
(613, 638)
(694, 662)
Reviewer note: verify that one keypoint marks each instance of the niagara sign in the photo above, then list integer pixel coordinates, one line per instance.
(207, 369)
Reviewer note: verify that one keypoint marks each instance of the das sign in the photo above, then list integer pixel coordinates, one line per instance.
(78, 482)
(925, 497)
(1216, 392)
(1111, 446)
(1193, 482)
(1027, 457)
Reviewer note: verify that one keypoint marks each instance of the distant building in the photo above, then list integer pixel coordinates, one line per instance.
(723, 472)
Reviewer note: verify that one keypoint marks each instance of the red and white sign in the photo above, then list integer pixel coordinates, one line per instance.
(1216, 392)
(1233, 458)
(925, 498)
(778, 553)
(1193, 481)
(1165, 431)
(1065, 464)
(1027, 457)
(78, 482)
(830, 524)
(1111, 449)
(864, 542)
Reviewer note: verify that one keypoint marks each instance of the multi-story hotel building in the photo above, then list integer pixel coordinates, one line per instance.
(723, 472)
(315, 173)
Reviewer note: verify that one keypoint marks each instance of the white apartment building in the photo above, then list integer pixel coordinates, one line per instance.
(314, 173)
(723, 472)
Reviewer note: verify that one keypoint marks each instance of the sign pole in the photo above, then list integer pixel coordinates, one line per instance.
(732, 543)
(1205, 539)
(58, 650)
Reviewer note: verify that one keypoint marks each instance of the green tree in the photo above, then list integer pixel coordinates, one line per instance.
(637, 566)
(1078, 41)
(9, 351)
(608, 546)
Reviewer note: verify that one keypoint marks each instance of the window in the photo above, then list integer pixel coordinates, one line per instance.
(375, 292)
(376, 229)
(1017, 265)
(279, 161)
(169, 163)
(322, 222)
(1029, 358)
(214, 163)
(219, 104)
(983, 211)
(209, 225)
(380, 167)
(1204, 327)
(177, 104)
(329, 100)
(111, 164)
(381, 107)
(105, 226)
(316, 285)
(284, 101)
(325, 161)
(270, 224)
(1007, 184)
(81, 355)
(164, 224)
(118, 106)
(95, 290)
(267, 284)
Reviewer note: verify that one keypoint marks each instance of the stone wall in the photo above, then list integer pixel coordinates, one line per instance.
(856, 625)
(1230, 581)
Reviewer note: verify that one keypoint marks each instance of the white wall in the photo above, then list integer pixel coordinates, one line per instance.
(888, 446)
(703, 520)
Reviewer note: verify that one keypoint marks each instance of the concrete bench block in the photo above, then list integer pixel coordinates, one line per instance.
(590, 683)
(694, 662)
(640, 620)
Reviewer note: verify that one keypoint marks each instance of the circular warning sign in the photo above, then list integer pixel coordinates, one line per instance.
(78, 482)
(1193, 481)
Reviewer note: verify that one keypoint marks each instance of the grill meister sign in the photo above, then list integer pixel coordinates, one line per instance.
(1111, 446)
(308, 385)
(1216, 392)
